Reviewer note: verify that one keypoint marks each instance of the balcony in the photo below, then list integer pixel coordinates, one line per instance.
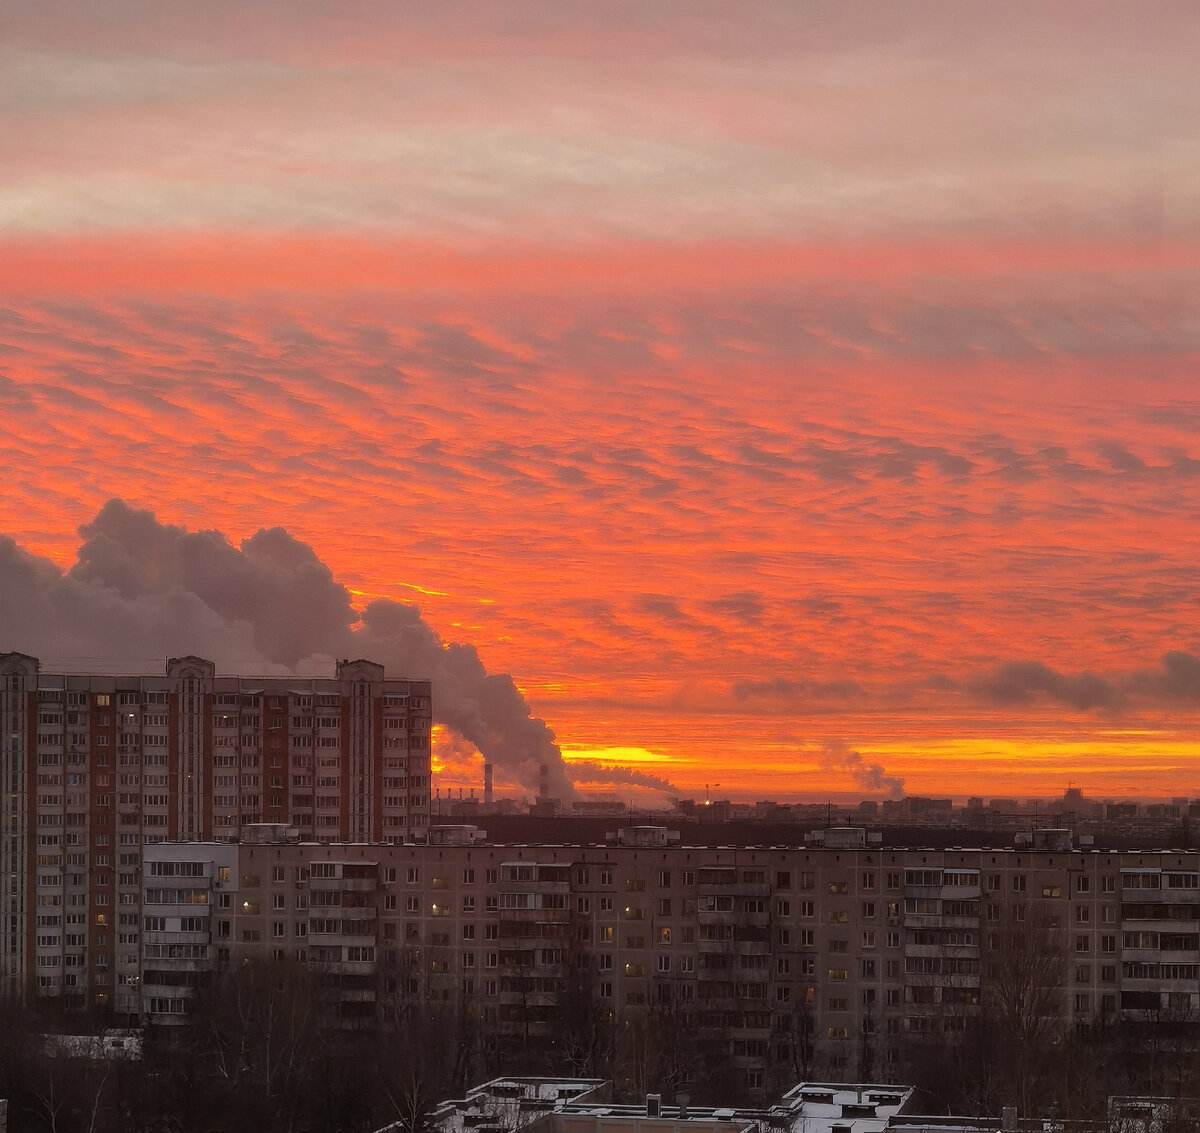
(961, 893)
(926, 920)
(349, 967)
(749, 889)
(960, 922)
(343, 912)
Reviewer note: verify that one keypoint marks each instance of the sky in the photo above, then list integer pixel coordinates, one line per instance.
(790, 400)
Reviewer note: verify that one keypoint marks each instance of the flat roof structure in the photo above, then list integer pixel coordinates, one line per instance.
(582, 1105)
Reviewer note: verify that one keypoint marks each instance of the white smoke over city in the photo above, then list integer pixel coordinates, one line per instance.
(837, 756)
(142, 591)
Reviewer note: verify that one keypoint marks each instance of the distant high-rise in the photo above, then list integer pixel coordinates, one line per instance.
(94, 767)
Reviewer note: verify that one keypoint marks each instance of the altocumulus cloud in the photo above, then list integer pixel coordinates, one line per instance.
(140, 588)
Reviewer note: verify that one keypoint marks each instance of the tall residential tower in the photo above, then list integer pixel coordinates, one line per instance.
(95, 767)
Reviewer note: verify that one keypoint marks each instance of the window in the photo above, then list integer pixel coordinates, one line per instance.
(1083, 883)
(1018, 883)
(1083, 944)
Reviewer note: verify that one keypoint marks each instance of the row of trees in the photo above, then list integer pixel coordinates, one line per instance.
(268, 1049)
(261, 1053)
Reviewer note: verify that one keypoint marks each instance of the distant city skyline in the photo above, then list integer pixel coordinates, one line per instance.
(799, 399)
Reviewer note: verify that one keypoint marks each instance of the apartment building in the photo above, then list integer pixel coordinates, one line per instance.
(94, 768)
(825, 959)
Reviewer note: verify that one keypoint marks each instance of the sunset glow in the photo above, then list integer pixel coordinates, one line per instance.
(803, 401)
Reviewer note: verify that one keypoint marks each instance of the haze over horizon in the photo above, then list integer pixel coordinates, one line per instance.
(798, 398)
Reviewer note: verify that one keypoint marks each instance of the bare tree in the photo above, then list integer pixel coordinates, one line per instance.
(585, 1031)
(1024, 1002)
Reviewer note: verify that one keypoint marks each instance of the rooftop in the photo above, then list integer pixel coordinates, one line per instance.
(582, 1105)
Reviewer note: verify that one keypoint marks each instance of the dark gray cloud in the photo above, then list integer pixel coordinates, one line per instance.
(1018, 682)
(1177, 678)
(798, 690)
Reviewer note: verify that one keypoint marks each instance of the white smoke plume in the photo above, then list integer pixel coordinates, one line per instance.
(836, 756)
(141, 589)
(591, 771)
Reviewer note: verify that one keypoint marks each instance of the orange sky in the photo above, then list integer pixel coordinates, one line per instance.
(803, 403)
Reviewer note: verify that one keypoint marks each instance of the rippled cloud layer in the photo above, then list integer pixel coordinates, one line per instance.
(810, 393)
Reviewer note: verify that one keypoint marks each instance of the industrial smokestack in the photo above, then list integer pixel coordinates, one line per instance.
(544, 781)
(487, 784)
